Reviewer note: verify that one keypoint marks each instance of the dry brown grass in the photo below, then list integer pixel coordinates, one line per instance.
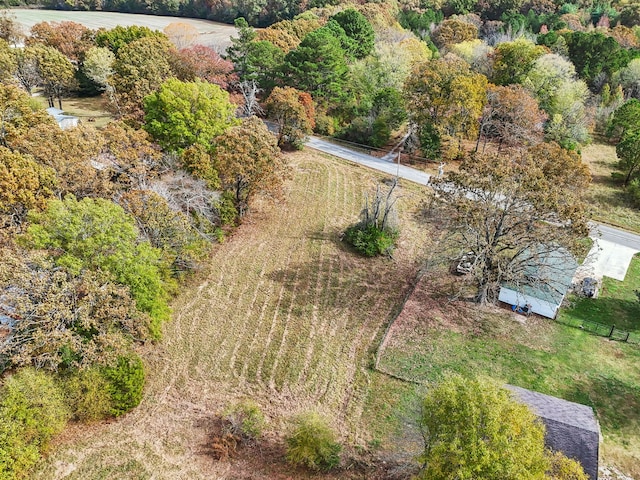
(284, 313)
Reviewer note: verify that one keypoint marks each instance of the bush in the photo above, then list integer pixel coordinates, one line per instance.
(88, 395)
(32, 410)
(370, 240)
(246, 420)
(125, 383)
(312, 443)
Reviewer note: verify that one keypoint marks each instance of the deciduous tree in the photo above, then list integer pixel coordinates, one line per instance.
(444, 97)
(27, 71)
(626, 118)
(182, 35)
(514, 60)
(293, 112)
(98, 66)
(512, 210)
(69, 153)
(140, 68)
(248, 161)
(511, 116)
(552, 80)
(200, 61)
(10, 30)
(474, 429)
(18, 113)
(63, 321)
(628, 151)
(98, 234)
(70, 38)
(56, 73)
(180, 114)
(165, 228)
(117, 37)
(453, 31)
(24, 185)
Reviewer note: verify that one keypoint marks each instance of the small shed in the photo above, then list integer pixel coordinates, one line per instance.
(546, 278)
(64, 121)
(571, 428)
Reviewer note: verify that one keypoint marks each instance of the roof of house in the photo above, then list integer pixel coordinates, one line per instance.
(554, 408)
(546, 273)
(571, 428)
(59, 116)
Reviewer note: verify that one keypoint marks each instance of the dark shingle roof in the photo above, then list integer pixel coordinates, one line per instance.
(571, 428)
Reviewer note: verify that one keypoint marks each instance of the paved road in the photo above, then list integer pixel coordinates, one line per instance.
(613, 248)
(615, 235)
(386, 166)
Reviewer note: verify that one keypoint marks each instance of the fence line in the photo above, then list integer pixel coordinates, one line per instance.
(609, 331)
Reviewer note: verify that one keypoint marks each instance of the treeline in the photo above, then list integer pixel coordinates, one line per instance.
(99, 227)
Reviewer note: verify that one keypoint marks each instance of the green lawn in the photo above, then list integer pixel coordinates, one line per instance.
(607, 200)
(617, 303)
(540, 355)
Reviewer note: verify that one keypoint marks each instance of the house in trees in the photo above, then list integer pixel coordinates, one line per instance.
(543, 281)
(571, 428)
(64, 121)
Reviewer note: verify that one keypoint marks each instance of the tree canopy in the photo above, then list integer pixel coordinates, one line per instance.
(181, 114)
(474, 429)
(506, 206)
(98, 234)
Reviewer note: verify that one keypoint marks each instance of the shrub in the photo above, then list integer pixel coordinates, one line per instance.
(87, 394)
(377, 231)
(312, 443)
(126, 382)
(246, 420)
(32, 410)
(370, 240)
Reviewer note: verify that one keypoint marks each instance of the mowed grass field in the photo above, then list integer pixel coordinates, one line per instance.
(283, 313)
(433, 336)
(213, 34)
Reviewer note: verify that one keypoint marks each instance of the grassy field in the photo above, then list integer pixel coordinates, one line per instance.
(432, 337)
(607, 200)
(617, 303)
(283, 313)
(211, 33)
(90, 110)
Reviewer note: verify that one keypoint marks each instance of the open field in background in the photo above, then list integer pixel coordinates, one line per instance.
(432, 337)
(617, 304)
(608, 202)
(284, 314)
(212, 34)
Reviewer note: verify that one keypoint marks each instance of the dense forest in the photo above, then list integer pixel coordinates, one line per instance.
(99, 227)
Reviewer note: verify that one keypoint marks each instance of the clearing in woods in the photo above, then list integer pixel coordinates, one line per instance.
(284, 313)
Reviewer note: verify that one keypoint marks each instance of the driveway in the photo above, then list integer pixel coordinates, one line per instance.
(611, 253)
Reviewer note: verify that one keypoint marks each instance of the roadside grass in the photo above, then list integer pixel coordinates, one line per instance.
(284, 314)
(617, 303)
(428, 343)
(607, 201)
